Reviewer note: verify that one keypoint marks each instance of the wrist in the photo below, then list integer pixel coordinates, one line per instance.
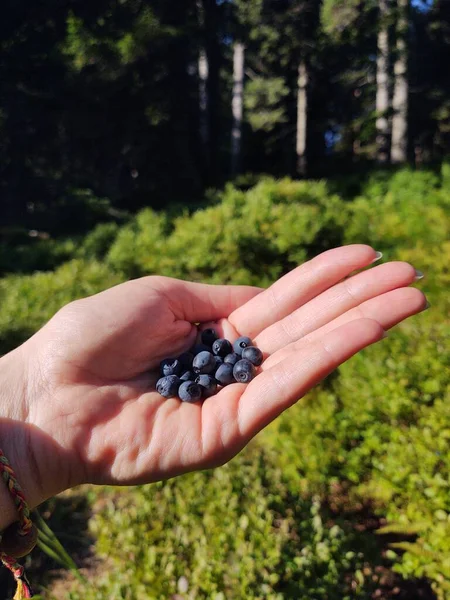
(31, 453)
(14, 436)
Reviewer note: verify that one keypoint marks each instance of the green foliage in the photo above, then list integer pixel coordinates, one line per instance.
(34, 254)
(85, 46)
(27, 302)
(381, 423)
(97, 243)
(232, 532)
(263, 102)
(339, 15)
(393, 213)
(249, 237)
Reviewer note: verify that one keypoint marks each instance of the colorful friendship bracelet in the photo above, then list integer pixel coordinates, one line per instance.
(20, 538)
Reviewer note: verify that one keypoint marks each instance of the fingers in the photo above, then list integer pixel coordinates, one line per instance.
(388, 309)
(277, 388)
(334, 302)
(298, 287)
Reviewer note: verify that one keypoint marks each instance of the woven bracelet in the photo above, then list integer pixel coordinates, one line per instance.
(20, 538)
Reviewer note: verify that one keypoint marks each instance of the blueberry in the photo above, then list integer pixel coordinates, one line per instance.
(218, 360)
(208, 385)
(168, 386)
(241, 343)
(224, 374)
(186, 360)
(222, 347)
(208, 337)
(170, 366)
(243, 371)
(204, 363)
(253, 354)
(200, 348)
(187, 376)
(189, 391)
(232, 358)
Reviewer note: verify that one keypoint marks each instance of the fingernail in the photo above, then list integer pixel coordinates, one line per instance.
(378, 255)
(427, 306)
(419, 275)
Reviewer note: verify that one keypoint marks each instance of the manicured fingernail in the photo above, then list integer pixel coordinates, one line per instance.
(419, 275)
(378, 255)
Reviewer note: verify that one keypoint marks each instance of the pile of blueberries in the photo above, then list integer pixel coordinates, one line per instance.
(215, 362)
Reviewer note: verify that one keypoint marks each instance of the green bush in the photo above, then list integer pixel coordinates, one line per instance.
(235, 532)
(27, 302)
(34, 254)
(250, 237)
(97, 243)
(381, 424)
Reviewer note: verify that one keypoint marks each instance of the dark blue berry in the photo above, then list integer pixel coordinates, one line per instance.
(189, 391)
(208, 385)
(208, 337)
(186, 360)
(204, 363)
(231, 359)
(243, 371)
(168, 386)
(253, 354)
(218, 361)
(224, 374)
(222, 347)
(241, 343)
(200, 348)
(187, 376)
(170, 366)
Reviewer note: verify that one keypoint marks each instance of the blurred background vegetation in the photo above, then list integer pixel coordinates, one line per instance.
(228, 141)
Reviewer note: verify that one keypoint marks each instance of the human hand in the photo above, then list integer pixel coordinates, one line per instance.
(88, 411)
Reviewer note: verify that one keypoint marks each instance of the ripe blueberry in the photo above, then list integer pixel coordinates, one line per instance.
(186, 360)
(232, 358)
(224, 374)
(170, 366)
(200, 348)
(243, 371)
(253, 354)
(168, 386)
(208, 337)
(241, 343)
(189, 391)
(222, 347)
(208, 385)
(204, 363)
(218, 360)
(187, 376)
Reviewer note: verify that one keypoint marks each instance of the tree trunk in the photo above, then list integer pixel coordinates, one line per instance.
(399, 147)
(203, 97)
(203, 69)
(214, 60)
(382, 100)
(237, 106)
(302, 115)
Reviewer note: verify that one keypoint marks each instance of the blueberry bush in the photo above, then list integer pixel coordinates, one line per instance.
(380, 427)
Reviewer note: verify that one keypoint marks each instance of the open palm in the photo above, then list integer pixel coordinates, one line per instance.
(97, 363)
